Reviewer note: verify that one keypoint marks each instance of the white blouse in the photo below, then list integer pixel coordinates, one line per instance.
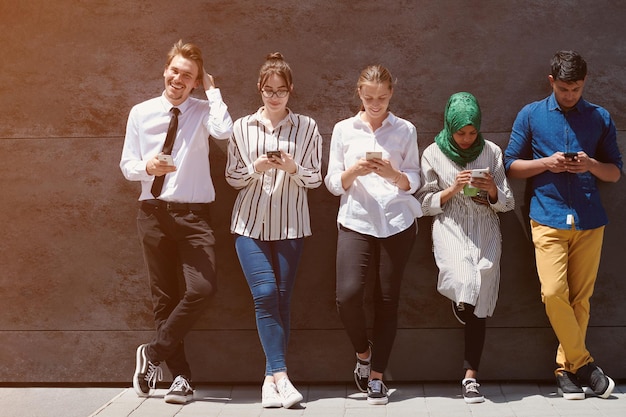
(273, 205)
(373, 205)
(467, 242)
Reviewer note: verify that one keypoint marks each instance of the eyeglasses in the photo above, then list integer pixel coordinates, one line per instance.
(278, 93)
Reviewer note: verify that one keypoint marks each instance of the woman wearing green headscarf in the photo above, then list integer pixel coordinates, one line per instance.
(466, 228)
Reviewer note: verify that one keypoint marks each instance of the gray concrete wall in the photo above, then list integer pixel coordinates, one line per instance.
(73, 291)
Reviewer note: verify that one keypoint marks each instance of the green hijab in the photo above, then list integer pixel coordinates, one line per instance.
(462, 110)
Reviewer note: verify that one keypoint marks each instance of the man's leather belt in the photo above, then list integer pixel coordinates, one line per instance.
(171, 206)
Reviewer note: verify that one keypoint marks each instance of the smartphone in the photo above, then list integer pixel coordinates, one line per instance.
(572, 156)
(276, 154)
(373, 155)
(480, 173)
(166, 158)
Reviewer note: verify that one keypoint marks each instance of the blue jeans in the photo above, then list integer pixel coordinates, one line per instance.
(270, 269)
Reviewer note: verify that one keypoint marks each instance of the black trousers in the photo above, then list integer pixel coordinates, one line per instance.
(356, 254)
(176, 243)
(474, 337)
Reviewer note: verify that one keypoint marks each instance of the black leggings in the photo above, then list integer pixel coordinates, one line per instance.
(356, 254)
(474, 336)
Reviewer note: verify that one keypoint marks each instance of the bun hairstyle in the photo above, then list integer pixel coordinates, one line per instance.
(275, 64)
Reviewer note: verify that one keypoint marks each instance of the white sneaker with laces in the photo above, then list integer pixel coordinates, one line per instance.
(289, 394)
(270, 398)
(180, 391)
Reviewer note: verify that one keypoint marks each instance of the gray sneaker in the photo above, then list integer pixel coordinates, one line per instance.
(593, 377)
(568, 386)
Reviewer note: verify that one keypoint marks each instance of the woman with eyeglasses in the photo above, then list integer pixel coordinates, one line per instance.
(274, 157)
(374, 167)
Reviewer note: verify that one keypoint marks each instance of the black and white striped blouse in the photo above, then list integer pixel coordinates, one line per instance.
(273, 205)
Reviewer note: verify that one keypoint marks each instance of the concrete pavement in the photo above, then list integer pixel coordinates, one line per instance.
(324, 400)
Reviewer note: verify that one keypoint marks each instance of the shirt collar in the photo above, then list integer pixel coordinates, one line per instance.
(554, 105)
(257, 117)
(167, 106)
(358, 122)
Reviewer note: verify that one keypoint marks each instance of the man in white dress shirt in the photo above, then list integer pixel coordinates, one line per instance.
(174, 216)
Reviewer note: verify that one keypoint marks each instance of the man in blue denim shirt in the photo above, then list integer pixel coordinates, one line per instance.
(563, 145)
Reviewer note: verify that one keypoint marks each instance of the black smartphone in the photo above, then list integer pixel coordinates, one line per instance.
(572, 156)
(269, 154)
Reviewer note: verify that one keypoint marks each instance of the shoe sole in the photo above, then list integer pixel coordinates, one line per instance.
(474, 400)
(178, 399)
(609, 390)
(138, 357)
(271, 405)
(293, 401)
(377, 401)
(572, 395)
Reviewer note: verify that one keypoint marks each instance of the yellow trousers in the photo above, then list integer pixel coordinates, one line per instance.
(567, 265)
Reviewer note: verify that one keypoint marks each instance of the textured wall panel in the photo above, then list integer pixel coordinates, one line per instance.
(73, 291)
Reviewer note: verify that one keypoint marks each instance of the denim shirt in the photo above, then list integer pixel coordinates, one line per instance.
(541, 129)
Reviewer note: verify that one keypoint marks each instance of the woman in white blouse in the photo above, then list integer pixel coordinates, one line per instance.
(374, 167)
(274, 157)
(467, 242)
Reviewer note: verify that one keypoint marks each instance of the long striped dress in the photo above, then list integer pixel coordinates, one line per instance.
(467, 241)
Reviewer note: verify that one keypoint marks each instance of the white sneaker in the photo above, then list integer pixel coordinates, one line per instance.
(270, 398)
(180, 391)
(288, 393)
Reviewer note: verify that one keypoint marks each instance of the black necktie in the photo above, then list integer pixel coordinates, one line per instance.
(157, 185)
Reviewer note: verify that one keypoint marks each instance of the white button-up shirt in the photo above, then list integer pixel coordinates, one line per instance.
(373, 205)
(145, 136)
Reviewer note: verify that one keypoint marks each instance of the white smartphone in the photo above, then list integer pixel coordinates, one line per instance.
(479, 173)
(373, 155)
(166, 158)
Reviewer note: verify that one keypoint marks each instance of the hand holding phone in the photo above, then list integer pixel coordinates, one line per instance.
(480, 173)
(166, 158)
(373, 155)
(572, 156)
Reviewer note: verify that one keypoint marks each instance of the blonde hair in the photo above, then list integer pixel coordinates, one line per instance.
(188, 51)
(375, 74)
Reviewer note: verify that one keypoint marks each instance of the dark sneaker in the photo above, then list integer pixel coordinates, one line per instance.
(362, 372)
(569, 386)
(593, 377)
(180, 391)
(377, 392)
(471, 394)
(147, 374)
(456, 309)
